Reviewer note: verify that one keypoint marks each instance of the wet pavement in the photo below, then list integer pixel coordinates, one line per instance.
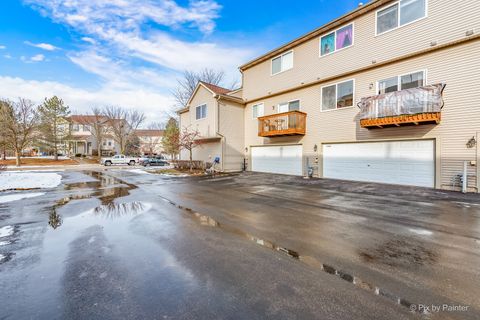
(118, 244)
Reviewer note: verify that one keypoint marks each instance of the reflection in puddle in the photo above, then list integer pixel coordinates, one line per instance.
(116, 210)
(310, 261)
(106, 188)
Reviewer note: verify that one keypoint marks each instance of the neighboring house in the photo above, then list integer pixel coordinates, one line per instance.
(82, 141)
(361, 98)
(217, 114)
(150, 141)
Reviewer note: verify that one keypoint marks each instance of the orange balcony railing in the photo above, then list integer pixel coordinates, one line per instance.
(414, 106)
(282, 124)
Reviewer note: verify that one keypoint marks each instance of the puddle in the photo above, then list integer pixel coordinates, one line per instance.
(105, 188)
(308, 260)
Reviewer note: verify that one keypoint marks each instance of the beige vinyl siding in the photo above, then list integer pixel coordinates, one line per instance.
(447, 21)
(231, 127)
(206, 126)
(456, 66)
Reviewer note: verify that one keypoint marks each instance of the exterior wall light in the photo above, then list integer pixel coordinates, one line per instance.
(315, 148)
(471, 143)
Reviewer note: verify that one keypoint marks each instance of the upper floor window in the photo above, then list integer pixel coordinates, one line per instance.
(336, 40)
(257, 110)
(282, 63)
(289, 106)
(201, 112)
(400, 13)
(339, 95)
(402, 82)
(75, 127)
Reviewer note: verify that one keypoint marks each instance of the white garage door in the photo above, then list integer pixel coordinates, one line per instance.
(396, 162)
(278, 159)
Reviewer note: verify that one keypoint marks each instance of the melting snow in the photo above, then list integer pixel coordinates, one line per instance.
(28, 180)
(19, 196)
(4, 243)
(6, 231)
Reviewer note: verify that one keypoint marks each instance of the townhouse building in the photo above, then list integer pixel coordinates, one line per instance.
(387, 93)
(81, 140)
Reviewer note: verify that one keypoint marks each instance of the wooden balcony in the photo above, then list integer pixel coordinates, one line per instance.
(414, 106)
(282, 124)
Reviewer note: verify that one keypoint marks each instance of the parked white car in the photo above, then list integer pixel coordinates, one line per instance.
(119, 159)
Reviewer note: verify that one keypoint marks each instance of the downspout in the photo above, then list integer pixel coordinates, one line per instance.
(223, 138)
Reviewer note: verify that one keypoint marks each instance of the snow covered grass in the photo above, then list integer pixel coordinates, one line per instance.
(6, 231)
(28, 180)
(19, 196)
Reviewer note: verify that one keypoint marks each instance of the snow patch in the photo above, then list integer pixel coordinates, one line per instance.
(4, 243)
(421, 232)
(19, 196)
(2, 257)
(139, 171)
(6, 231)
(28, 180)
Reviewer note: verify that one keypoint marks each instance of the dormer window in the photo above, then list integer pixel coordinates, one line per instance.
(282, 63)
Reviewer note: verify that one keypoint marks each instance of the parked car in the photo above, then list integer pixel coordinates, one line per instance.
(154, 162)
(119, 159)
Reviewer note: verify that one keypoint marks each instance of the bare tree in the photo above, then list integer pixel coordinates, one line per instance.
(96, 124)
(19, 122)
(123, 124)
(188, 83)
(189, 140)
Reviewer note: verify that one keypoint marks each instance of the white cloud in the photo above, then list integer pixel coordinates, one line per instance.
(7, 56)
(2, 47)
(120, 25)
(44, 46)
(148, 101)
(35, 58)
(89, 40)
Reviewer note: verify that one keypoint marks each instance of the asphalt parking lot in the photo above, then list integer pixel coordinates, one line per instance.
(120, 244)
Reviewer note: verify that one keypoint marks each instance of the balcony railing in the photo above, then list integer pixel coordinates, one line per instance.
(282, 124)
(409, 106)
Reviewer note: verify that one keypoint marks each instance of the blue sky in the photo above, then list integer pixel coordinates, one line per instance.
(130, 52)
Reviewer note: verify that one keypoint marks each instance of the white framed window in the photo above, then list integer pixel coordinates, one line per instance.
(336, 40)
(258, 110)
(402, 82)
(201, 111)
(399, 14)
(288, 106)
(338, 95)
(282, 63)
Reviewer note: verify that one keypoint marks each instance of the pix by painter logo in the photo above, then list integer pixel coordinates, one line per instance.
(435, 308)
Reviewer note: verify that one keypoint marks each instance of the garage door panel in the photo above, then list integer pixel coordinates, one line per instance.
(396, 162)
(277, 159)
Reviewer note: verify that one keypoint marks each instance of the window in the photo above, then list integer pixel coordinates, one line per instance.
(75, 127)
(109, 143)
(282, 63)
(339, 39)
(257, 110)
(289, 106)
(407, 81)
(399, 14)
(201, 112)
(337, 96)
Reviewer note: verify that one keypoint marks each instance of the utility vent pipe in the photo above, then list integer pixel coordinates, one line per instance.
(465, 177)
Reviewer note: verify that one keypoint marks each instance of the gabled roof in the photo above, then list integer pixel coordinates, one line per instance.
(149, 133)
(85, 119)
(214, 88)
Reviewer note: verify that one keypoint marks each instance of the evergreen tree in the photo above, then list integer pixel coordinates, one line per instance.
(171, 138)
(53, 125)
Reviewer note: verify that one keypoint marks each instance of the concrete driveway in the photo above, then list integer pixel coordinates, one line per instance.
(119, 244)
